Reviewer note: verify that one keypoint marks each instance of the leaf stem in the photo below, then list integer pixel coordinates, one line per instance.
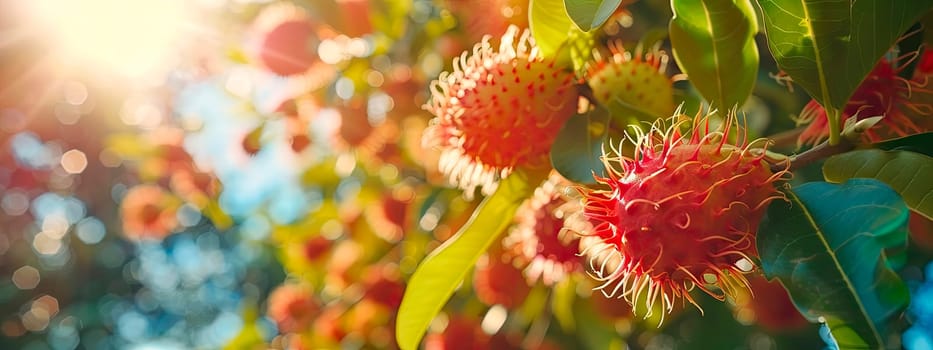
(834, 130)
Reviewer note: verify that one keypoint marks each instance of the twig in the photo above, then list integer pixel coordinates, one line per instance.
(786, 138)
(814, 154)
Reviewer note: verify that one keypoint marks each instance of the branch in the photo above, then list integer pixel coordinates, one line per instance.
(786, 139)
(821, 151)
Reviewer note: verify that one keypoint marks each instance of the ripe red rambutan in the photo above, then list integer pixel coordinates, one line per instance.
(316, 248)
(148, 212)
(498, 110)
(328, 327)
(497, 281)
(768, 305)
(356, 132)
(921, 232)
(384, 285)
(355, 17)
(682, 213)
(292, 307)
(389, 218)
(284, 40)
(539, 241)
(883, 93)
(638, 81)
(480, 17)
(925, 66)
(462, 333)
(287, 40)
(194, 187)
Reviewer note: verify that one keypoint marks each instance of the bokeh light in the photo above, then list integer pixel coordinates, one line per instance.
(131, 37)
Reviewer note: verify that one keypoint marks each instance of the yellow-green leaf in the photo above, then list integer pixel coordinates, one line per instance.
(439, 274)
(550, 25)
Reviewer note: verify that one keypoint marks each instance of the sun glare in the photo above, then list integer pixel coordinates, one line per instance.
(131, 37)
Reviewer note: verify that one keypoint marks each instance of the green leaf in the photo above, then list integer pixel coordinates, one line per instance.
(714, 43)
(920, 143)
(827, 248)
(829, 46)
(908, 173)
(593, 330)
(580, 49)
(579, 145)
(439, 274)
(549, 24)
(564, 295)
(590, 14)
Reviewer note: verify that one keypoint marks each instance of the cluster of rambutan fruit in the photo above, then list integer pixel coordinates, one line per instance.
(677, 208)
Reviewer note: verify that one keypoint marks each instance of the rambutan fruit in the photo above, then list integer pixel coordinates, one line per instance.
(286, 40)
(640, 81)
(329, 327)
(498, 282)
(316, 248)
(768, 305)
(498, 110)
(358, 133)
(921, 232)
(462, 333)
(682, 213)
(148, 212)
(883, 93)
(925, 66)
(384, 285)
(539, 241)
(389, 218)
(355, 16)
(194, 187)
(292, 306)
(480, 17)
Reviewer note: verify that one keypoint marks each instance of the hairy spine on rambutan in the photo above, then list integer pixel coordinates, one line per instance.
(682, 213)
(539, 241)
(498, 110)
(883, 93)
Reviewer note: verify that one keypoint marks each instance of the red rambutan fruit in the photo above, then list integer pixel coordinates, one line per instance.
(194, 187)
(635, 81)
(292, 307)
(480, 17)
(497, 110)
(148, 212)
(682, 213)
(286, 40)
(883, 93)
(497, 281)
(462, 333)
(768, 305)
(328, 327)
(384, 286)
(921, 231)
(316, 248)
(389, 218)
(356, 19)
(539, 241)
(925, 67)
